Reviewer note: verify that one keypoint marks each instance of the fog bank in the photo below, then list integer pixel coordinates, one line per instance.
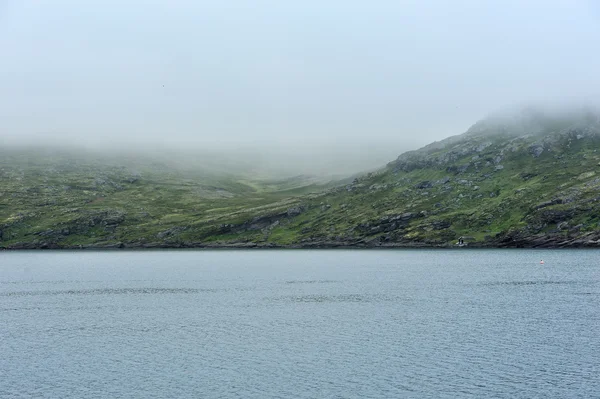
(306, 86)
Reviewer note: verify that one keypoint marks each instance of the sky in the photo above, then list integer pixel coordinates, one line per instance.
(320, 84)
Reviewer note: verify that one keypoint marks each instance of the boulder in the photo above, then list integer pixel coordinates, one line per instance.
(294, 211)
(424, 184)
(536, 150)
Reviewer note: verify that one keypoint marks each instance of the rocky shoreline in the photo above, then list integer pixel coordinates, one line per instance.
(590, 240)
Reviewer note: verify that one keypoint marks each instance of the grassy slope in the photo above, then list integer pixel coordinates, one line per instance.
(71, 200)
(501, 184)
(495, 199)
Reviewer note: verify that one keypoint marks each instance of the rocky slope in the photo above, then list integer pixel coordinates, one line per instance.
(526, 180)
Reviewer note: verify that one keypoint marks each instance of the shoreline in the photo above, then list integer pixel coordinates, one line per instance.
(261, 246)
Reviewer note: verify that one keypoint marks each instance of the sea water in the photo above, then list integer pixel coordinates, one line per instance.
(300, 324)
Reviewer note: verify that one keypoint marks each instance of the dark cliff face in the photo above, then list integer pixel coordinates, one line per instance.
(525, 180)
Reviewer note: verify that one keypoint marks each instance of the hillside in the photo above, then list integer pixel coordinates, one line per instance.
(53, 198)
(525, 180)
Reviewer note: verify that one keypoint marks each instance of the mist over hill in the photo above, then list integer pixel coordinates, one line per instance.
(283, 88)
(276, 159)
(527, 179)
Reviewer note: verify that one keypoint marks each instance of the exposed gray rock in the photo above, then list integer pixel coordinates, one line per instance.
(170, 232)
(424, 184)
(555, 215)
(548, 203)
(576, 228)
(443, 180)
(482, 146)
(377, 187)
(536, 150)
(527, 175)
(295, 211)
(133, 177)
(407, 216)
(440, 224)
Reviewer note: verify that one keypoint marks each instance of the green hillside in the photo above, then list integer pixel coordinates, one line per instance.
(67, 199)
(527, 180)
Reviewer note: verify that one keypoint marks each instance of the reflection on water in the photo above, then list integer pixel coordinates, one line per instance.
(299, 324)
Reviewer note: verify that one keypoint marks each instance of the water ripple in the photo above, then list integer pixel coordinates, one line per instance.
(111, 291)
(532, 282)
(316, 298)
(280, 324)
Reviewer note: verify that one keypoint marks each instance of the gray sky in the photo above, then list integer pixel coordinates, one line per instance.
(358, 81)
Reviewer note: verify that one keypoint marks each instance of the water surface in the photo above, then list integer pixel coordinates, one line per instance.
(300, 324)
